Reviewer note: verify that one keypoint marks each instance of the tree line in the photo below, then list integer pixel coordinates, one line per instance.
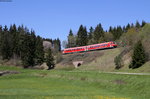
(97, 35)
(22, 43)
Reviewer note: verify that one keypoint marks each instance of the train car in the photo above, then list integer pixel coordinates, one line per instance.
(102, 46)
(105, 45)
(74, 49)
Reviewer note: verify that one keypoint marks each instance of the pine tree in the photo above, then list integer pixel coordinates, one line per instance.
(32, 48)
(137, 24)
(117, 32)
(1, 34)
(70, 33)
(110, 29)
(98, 34)
(56, 45)
(81, 36)
(50, 59)
(138, 57)
(124, 29)
(59, 44)
(128, 27)
(71, 40)
(15, 40)
(6, 44)
(132, 25)
(143, 23)
(25, 50)
(39, 51)
(22, 34)
(85, 37)
(28, 48)
(90, 34)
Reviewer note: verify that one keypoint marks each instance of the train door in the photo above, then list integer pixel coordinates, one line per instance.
(86, 48)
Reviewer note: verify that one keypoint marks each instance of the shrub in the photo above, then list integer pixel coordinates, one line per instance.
(118, 62)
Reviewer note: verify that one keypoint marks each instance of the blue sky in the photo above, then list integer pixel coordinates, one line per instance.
(54, 18)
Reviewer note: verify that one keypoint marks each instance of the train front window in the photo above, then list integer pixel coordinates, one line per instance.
(114, 42)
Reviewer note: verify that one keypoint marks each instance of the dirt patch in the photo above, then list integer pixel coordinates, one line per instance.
(119, 82)
(2, 73)
(83, 78)
(42, 74)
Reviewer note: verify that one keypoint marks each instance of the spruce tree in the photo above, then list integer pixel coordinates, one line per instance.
(110, 29)
(56, 45)
(22, 34)
(50, 59)
(32, 48)
(132, 25)
(117, 32)
(25, 50)
(124, 29)
(6, 44)
(15, 40)
(143, 23)
(1, 38)
(59, 44)
(90, 34)
(137, 24)
(28, 48)
(98, 34)
(70, 33)
(128, 27)
(138, 57)
(81, 36)
(71, 40)
(39, 51)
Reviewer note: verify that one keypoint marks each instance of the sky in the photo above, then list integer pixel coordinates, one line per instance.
(54, 18)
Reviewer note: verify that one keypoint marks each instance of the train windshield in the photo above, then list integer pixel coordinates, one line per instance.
(113, 42)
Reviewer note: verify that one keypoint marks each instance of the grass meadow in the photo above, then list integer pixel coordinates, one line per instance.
(70, 84)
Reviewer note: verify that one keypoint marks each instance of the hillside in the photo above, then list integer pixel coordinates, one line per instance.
(91, 60)
(103, 60)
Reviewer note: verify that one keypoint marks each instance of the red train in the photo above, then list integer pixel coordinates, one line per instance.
(105, 45)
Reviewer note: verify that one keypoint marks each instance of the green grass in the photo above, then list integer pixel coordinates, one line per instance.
(104, 62)
(63, 84)
(143, 69)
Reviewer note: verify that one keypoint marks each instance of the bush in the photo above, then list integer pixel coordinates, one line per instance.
(118, 62)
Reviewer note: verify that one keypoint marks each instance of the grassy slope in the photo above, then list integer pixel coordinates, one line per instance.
(143, 69)
(59, 84)
(104, 61)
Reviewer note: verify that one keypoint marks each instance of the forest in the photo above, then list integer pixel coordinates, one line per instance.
(21, 44)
